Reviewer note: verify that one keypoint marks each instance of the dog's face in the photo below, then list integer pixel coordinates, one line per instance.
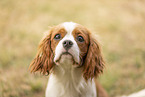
(69, 43)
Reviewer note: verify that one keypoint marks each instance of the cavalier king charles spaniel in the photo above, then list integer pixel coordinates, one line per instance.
(72, 58)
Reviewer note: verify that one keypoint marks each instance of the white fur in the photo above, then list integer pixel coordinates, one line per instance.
(67, 80)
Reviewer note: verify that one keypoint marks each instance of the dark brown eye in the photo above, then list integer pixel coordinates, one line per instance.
(80, 38)
(57, 37)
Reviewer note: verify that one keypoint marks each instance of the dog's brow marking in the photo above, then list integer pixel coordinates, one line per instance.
(69, 27)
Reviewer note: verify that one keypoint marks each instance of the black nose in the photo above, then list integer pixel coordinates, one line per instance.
(67, 44)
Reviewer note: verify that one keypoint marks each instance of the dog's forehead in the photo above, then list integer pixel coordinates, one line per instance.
(69, 26)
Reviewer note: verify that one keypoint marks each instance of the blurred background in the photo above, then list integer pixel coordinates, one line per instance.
(119, 23)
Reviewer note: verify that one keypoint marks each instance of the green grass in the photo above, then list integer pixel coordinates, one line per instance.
(119, 23)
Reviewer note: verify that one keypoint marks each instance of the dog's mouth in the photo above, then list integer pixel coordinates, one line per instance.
(69, 55)
(66, 53)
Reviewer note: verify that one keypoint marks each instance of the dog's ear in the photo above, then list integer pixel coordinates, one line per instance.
(43, 60)
(94, 62)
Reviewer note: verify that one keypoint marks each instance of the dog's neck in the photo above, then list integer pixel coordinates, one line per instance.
(67, 81)
(66, 69)
(67, 72)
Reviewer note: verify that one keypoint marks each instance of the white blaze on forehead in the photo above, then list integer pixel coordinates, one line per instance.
(69, 26)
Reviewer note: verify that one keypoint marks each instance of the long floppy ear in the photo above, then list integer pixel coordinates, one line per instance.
(43, 61)
(94, 62)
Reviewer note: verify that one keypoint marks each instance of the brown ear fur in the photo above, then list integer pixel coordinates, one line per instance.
(43, 61)
(94, 62)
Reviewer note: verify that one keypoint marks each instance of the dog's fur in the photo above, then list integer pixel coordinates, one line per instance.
(72, 69)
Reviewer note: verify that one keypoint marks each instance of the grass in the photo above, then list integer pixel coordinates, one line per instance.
(119, 23)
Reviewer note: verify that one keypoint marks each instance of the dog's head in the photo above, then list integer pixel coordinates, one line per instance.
(69, 43)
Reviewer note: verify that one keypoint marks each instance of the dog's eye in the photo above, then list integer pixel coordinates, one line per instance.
(57, 37)
(80, 38)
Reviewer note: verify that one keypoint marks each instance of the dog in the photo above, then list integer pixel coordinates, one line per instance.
(72, 58)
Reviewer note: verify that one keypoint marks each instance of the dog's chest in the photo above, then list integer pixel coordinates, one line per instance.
(70, 85)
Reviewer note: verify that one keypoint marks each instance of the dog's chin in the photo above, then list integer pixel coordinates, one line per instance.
(66, 58)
